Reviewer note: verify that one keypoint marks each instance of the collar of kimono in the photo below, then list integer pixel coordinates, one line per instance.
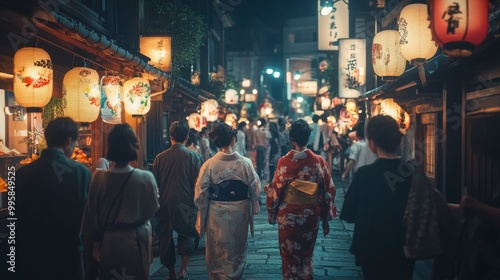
(293, 154)
(227, 157)
(178, 146)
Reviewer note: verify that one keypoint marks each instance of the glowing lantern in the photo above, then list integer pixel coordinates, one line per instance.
(458, 26)
(232, 119)
(352, 67)
(33, 78)
(390, 108)
(325, 103)
(111, 107)
(231, 97)
(137, 94)
(195, 122)
(210, 110)
(387, 60)
(81, 94)
(415, 36)
(158, 49)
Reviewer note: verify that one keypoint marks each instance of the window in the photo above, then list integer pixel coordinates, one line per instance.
(429, 130)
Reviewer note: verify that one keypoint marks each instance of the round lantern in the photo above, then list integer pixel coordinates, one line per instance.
(195, 121)
(111, 107)
(325, 103)
(387, 60)
(232, 120)
(33, 78)
(458, 26)
(390, 108)
(231, 97)
(415, 36)
(81, 94)
(137, 94)
(210, 110)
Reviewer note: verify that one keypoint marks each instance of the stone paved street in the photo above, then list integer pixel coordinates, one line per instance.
(332, 259)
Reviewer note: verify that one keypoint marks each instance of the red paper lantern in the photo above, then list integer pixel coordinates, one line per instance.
(458, 26)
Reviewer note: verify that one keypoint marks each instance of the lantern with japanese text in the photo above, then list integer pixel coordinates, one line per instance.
(415, 37)
(387, 60)
(81, 94)
(231, 97)
(111, 107)
(137, 94)
(390, 108)
(210, 110)
(195, 121)
(33, 78)
(352, 67)
(458, 26)
(158, 49)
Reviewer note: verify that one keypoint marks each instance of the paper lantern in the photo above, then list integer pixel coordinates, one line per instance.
(81, 94)
(458, 26)
(158, 49)
(232, 120)
(137, 94)
(415, 38)
(390, 108)
(195, 121)
(325, 103)
(210, 110)
(387, 60)
(231, 97)
(33, 78)
(352, 67)
(111, 107)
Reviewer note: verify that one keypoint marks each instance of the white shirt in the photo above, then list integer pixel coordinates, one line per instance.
(361, 153)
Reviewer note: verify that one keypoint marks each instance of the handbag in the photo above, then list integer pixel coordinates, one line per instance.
(96, 250)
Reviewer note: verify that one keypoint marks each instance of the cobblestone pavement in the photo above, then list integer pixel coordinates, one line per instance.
(332, 259)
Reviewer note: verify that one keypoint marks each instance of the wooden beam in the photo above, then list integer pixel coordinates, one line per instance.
(394, 14)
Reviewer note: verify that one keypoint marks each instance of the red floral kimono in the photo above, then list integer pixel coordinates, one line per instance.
(298, 225)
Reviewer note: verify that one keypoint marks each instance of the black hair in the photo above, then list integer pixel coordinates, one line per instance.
(179, 131)
(192, 137)
(123, 145)
(315, 118)
(360, 130)
(385, 133)
(241, 125)
(300, 132)
(58, 130)
(222, 134)
(324, 117)
(262, 122)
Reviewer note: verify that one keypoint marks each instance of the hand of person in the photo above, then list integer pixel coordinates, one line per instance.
(343, 177)
(326, 227)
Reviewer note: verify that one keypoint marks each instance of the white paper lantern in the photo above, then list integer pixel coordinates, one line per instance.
(390, 108)
(137, 96)
(325, 103)
(111, 107)
(231, 97)
(195, 121)
(81, 94)
(210, 110)
(387, 60)
(33, 78)
(352, 67)
(415, 38)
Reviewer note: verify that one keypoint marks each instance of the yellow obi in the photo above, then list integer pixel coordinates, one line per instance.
(301, 192)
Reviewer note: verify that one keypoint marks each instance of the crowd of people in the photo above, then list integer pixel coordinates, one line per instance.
(206, 184)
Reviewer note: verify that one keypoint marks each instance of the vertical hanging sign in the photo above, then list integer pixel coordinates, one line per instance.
(352, 67)
(333, 26)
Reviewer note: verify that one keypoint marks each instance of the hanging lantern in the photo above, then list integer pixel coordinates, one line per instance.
(210, 110)
(232, 120)
(231, 97)
(390, 108)
(415, 36)
(352, 67)
(325, 103)
(81, 94)
(387, 60)
(195, 122)
(33, 78)
(458, 26)
(137, 94)
(111, 107)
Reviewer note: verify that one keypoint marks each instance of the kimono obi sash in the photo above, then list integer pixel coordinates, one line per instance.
(229, 190)
(301, 192)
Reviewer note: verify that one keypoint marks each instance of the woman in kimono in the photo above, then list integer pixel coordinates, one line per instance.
(376, 202)
(226, 193)
(300, 195)
(115, 228)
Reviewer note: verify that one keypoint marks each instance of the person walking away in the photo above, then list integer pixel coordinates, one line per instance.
(314, 135)
(261, 135)
(176, 170)
(240, 139)
(327, 136)
(300, 195)
(50, 197)
(192, 142)
(285, 143)
(116, 229)
(227, 191)
(359, 154)
(204, 144)
(376, 202)
(273, 149)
